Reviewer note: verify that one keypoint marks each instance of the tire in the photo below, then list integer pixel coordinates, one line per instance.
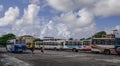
(95, 52)
(107, 52)
(55, 48)
(20, 51)
(76, 50)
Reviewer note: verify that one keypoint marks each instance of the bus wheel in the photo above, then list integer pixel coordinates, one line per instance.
(55, 48)
(106, 51)
(76, 50)
(20, 51)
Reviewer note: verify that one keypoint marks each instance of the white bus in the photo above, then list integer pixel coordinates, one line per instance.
(73, 45)
(105, 45)
(49, 44)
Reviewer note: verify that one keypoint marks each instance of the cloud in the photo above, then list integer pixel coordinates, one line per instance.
(28, 23)
(74, 18)
(1, 7)
(55, 30)
(110, 30)
(9, 17)
(61, 5)
(77, 23)
(69, 24)
(106, 8)
(35, 1)
(30, 15)
(79, 19)
(69, 5)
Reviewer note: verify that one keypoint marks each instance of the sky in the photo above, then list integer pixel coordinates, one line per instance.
(59, 18)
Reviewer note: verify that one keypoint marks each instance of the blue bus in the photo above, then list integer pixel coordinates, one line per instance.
(16, 45)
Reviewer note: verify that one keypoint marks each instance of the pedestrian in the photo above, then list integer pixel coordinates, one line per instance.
(42, 49)
(32, 48)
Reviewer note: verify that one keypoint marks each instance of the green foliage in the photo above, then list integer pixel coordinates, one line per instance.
(38, 39)
(99, 34)
(88, 38)
(70, 38)
(4, 38)
(82, 39)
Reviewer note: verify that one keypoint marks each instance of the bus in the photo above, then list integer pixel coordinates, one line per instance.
(86, 45)
(60, 45)
(15, 45)
(48, 44)
(106, 45)
(73, 45)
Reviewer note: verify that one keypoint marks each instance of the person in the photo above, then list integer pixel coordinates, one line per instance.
(42, 49)
(32, 48)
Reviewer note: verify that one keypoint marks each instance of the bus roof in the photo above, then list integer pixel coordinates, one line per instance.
(103, 38)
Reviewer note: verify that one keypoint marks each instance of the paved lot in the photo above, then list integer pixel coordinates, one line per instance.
(57, 58)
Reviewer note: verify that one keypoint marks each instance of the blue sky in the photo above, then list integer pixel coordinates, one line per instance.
(59, 18)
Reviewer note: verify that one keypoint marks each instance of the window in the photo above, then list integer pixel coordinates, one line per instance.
(118, 41)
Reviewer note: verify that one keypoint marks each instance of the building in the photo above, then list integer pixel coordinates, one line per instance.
(28, 38)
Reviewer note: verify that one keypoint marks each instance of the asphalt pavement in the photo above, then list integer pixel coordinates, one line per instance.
(57, 58)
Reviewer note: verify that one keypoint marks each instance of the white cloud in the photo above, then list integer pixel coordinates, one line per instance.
(30, 15)
(110, 30)
(79, 23)
(28, 23)
(102, 8)
(70, 5)
(35, 1)
(10, 15)
(1, 7)
(107, 8)
(55, 30)
(61, 5)
(78, 19)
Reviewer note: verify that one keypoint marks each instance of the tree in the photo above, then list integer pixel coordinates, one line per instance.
(38, 39)
(99, 34)
(4, 38)
(88, 38)
(82, 39)
(70, 38)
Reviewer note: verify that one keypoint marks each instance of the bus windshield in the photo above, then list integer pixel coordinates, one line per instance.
(118, 41)
(16, 41)
(19, 41)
